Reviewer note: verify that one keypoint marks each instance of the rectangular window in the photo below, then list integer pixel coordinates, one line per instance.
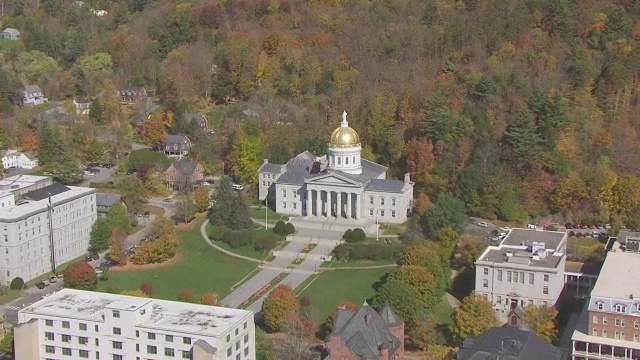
(48, 322)
(168, 338)
(246, 338)
(616, 335)
(498, 299)
(499, 275)
(169, 352)
(622, 322)
(66, 338)
(186, 354)
(245, 325)
(381, 200)
(115, 356)
(82, 326)
(485, 283)
(152, 349)
(66, 351)
(228, 337)
(370, 201)
(381, 213)
(284, 193)
(84, 354)
(393, 213)
(617, 322)
(486, 271)
(117, 345)
(605, 320)
(246, 351)
(393, 201)
(521, 277)
(97, 342)
(508, 276)
(295, 206)
(284, 204)
(237, 345)
(545, 277)
(622, 335)
(65, 325)
(83, 340)
(636, 324)
(151, 336)
(229, 350)
(594, 332)
(370, 212)
(115, 313)
(604, 332)
(117, 331)
(49, 336)
(545, 290)
(531, 278)
(186, 340)
(95, 328)
(50, 349)
(595, 319)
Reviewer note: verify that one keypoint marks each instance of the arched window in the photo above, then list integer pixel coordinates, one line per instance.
(621, 308)
(600, 305)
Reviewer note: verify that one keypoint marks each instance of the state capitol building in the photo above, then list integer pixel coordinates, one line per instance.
(339, 185)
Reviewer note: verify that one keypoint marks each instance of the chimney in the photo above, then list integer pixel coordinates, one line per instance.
(407, 178)
(367, 319)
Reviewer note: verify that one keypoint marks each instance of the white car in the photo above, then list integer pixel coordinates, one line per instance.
(482, 224)
(237, 187)
(505, 229)
(98, 271)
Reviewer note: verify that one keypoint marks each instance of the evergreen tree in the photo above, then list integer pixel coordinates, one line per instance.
(100, 234)
(117, 217)
(523, 139)
(228, 207)
(51, 148)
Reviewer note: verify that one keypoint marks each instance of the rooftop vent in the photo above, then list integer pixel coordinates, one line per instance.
(631, 296)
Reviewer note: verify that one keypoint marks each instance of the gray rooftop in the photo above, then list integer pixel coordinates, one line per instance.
(176, 139)
(185, 167)
(165, 315)
(525, 237)
(507, 255)
(623, 235)
(47, 191)
(32, 89)
(11, 31)
(270, 168)
(107, 199)
(386, 185)
(364, 339)
(508, 343)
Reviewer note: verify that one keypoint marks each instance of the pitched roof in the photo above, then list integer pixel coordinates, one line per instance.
(508, 343)
(385, 185)
(30, 89)
(364, 332)
(185, 167)
(30, 155)
(270, 168)
(11, 31)
(389, 316)
(191, 116)
(45, 192)
(176, 139)
(107, 199)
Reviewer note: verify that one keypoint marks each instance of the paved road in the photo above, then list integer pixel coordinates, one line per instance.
(102, 177)
(28, 297)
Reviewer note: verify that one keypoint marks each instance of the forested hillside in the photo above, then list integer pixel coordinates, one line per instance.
(519, 107)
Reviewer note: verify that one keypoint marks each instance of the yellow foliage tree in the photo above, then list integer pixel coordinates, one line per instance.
(116, 246)
(570, 194)
(136, 292)
(155, 132)
(541, 320)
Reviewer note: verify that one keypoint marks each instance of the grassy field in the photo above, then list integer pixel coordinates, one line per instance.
(331, 288)
(198, 268)
(247, 251)
(272, 216)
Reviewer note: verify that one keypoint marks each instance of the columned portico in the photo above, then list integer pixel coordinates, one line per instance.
(333, 204)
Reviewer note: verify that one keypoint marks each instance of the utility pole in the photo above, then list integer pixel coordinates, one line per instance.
(51, 236)
(377, 227)
(266, 211)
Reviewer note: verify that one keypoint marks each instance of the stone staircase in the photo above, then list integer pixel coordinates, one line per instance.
(334, 224)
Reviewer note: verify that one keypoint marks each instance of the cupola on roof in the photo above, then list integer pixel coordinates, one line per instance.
(344, 136)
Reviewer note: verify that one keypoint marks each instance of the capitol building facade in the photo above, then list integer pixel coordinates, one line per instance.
(338, 185)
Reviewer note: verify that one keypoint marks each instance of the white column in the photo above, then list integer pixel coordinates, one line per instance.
(318, 203)
(358, 213)
(348, 205)
(325, 203)
(339, 205)
(308, 203)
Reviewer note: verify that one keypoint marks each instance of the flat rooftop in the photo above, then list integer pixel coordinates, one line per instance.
(526, 237)
(17, 182)
(520, 257)
(170, 316)
(618, 277)
(623, 235)
(32, 207)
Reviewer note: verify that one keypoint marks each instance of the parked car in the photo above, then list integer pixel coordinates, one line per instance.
(579, 235)
(572, 233)
(53, 279)
(98, 271)
(40, 285)
(95, 256)
(88, 258)
(167, 200)
(237, 187)
(140, 214)
(146, 214)
(482, 224)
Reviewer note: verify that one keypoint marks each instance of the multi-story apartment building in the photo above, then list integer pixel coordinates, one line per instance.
(526, 268)
(75, 324)
(21, 184)
(44, 228)
(609, 326)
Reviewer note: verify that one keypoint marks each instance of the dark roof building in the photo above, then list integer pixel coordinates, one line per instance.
(365, 334)
(508, 343)
(47, 191)
(176, 146)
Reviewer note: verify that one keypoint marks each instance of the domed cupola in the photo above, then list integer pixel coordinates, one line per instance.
(344, 149)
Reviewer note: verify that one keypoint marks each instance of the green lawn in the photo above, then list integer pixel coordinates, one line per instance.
(199, 269)
(272, 216)
(444, 313)
(393, 229)
(9, 296)
(331, 288)
(247, 251)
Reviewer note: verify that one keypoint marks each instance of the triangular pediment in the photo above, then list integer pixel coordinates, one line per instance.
(331, 179)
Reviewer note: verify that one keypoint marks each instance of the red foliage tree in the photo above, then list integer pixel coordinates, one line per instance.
(186, 296)
(281, 305)
(420, 160)
(80, 275)
(147, 288)
(347, 305)
(209, 299)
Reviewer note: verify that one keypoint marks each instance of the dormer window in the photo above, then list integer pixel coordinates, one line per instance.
(621, 308)
(600, 305)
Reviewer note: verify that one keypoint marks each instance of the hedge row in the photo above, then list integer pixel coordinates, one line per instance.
(368, 251)
(355, 235)
(259, 240)
(283, 229)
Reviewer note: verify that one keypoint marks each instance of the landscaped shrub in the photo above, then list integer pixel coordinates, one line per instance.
(371, 251)
(238, 238)
(260, 240)
(265, 244)
(347, 235)
(16, 284)
(355, 235)
(289, 228)
(280, 228)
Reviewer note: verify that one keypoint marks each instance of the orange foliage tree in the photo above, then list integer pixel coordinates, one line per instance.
(421, 280)
(29, 141)
(420, 160)
(279, 306)
(80, 275)
(116, 246)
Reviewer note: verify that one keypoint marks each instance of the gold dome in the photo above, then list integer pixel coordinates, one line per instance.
(344, 136)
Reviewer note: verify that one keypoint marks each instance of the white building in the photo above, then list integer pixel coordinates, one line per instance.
(75, 324)
(83, 106)
(32, 95)
(526, 268)
(50, 225)
(21, 160)
(340, 185)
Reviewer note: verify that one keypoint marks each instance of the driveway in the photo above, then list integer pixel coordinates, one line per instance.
(103, 176)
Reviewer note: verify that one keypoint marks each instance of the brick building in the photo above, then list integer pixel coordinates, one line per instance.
(366, 334)
(609, 326)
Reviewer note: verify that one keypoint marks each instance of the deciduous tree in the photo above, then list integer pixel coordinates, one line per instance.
(136, 292)
(421, 280)
(430, 257)
(80, 275)
(541, 320)
(116, 246)
(100, 235)
(155, 132)
(280, 306)
(209, 299)
(446, 211)
(570, 194)
(201, 198)
(423, 331)
(474, 316)
(404, 299)
(7, 346)
(420, 160)
(118, 218)
(245, 158)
